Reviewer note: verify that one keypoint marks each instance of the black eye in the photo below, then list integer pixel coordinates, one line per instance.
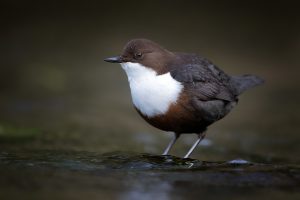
(138, 55)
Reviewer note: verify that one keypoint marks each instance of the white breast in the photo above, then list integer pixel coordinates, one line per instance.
(152, 94)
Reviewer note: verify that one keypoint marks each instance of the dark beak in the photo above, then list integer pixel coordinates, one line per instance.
(116, 59)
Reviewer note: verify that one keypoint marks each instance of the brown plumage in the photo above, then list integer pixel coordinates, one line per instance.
(207, 96)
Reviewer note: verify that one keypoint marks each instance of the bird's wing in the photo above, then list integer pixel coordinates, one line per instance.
(203, 79)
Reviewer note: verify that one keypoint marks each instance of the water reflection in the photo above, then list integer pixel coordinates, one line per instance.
(142, 188)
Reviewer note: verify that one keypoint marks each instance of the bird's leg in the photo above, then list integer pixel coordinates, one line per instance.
(172, 142)
(200, 138)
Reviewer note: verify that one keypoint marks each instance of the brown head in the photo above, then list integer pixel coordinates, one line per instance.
(144, 52)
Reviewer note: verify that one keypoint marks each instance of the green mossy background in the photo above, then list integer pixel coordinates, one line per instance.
(53, 78)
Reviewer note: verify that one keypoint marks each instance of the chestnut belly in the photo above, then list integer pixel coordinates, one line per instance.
(178, 119)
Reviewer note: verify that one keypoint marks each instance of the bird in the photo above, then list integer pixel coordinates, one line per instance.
(183, 93)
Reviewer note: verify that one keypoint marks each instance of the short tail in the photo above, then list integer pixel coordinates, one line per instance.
(245, 82)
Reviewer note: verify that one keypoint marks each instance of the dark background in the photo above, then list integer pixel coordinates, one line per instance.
(57, 93)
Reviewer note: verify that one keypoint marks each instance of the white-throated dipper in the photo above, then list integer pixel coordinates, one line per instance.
(179, 92)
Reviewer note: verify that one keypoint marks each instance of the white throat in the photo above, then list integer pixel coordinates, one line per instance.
(152, 94)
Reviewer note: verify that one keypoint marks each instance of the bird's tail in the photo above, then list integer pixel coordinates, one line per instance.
(245, 82)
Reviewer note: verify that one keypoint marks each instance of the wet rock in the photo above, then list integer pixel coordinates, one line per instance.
(127, 175)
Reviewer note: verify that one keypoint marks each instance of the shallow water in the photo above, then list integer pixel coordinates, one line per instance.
(120, 175)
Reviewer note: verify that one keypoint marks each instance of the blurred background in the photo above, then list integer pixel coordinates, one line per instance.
(56, 92)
